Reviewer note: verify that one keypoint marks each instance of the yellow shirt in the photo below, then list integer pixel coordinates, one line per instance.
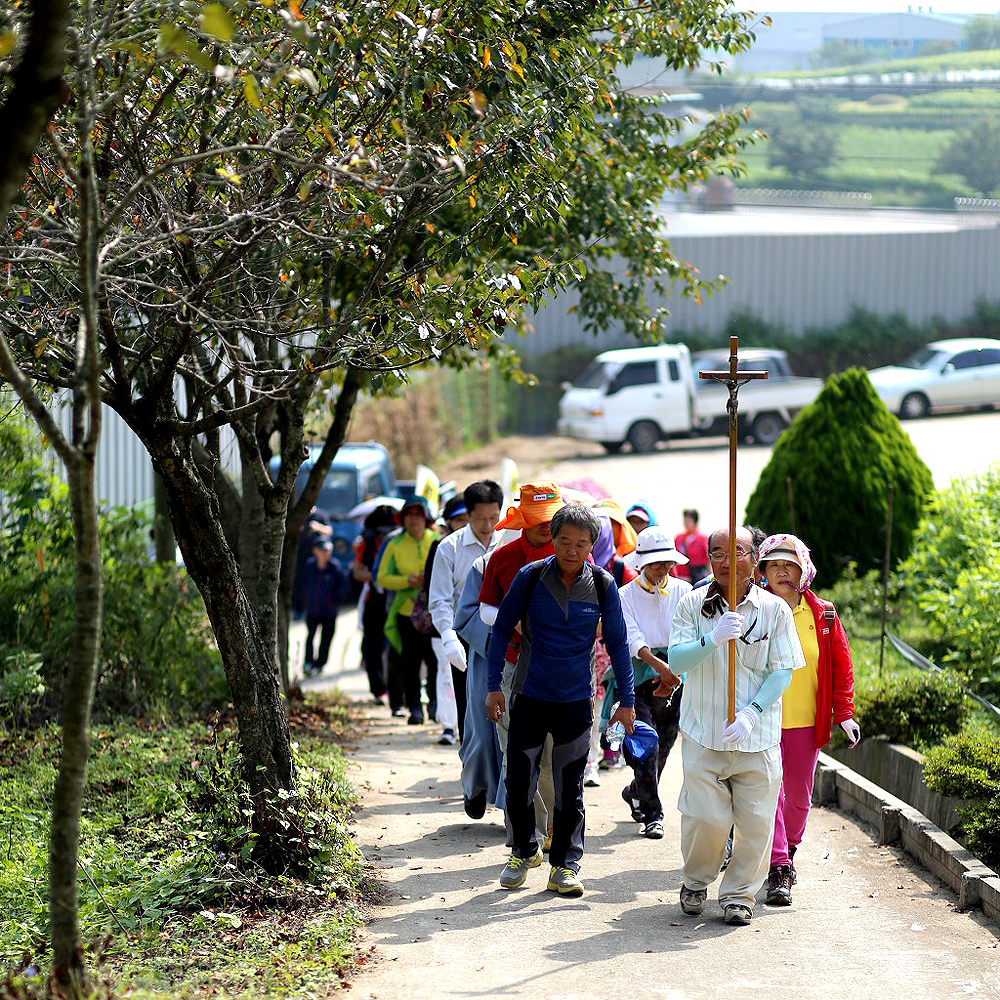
(798, 703)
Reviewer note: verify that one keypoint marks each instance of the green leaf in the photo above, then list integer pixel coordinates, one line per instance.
(8, 40)
(216, 21)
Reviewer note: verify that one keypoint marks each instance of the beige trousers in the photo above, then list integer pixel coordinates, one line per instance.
(724, 788)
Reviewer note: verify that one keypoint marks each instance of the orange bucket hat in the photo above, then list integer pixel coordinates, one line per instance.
(625, 537)
(538, 502)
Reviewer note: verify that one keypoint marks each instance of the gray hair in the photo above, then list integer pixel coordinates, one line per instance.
(576, 515)
(757, 535)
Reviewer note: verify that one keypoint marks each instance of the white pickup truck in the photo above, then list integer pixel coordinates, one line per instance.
(646, 394)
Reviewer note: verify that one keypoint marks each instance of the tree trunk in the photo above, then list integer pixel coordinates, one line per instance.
(247, 650)
(67, 954)
(163, 531)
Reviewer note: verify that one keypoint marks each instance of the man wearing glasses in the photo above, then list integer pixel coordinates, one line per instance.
(732, 772)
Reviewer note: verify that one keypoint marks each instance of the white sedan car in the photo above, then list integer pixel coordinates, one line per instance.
(946, 374)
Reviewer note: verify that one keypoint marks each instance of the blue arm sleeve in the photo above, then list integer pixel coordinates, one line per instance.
(616, 643)
(508, 617)
(772, 688)
(686, 656)
(468, 624)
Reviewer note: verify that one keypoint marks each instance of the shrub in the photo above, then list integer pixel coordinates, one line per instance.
(916, 708)
(842, 453)
(967, 766)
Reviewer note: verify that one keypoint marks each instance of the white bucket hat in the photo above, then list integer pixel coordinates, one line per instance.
(654, 544)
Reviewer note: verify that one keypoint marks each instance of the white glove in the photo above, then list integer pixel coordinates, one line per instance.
(454, 651)
(853, 732)
(738, 731)
(488, 613)
(730, 627)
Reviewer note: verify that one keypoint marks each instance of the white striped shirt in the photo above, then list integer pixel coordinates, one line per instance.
(771, 644)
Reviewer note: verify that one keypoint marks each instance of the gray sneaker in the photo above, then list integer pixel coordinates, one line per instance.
(693, 900)
(516, 870)
(737, 913)
(565, 881)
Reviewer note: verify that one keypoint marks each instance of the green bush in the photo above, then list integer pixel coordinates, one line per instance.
(967, 766)
(157, 653)
(916, 708)
(953, 577)
(842, 453)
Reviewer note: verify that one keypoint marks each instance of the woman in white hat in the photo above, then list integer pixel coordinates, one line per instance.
(819, 696)
(648, 603)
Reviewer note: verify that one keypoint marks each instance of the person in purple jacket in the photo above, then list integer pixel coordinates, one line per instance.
(559, 602)
(322, 586)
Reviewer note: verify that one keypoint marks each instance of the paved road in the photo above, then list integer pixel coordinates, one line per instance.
(865, 922)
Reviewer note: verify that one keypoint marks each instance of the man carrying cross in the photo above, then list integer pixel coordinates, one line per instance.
(732, 771)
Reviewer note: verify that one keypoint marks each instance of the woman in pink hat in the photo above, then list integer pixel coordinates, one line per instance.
(819, 696)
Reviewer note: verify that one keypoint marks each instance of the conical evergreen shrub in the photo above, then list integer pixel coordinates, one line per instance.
(841, 454)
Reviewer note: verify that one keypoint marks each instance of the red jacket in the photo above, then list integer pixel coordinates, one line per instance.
(835, 692)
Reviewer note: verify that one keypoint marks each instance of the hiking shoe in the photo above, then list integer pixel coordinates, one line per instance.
(415, 719)
(779, 886)
(591, 777)
(516, 870)
(547, 846)
(693, 900)
(447, 738)
(653, 829)
(475, 805)
(565, 881)
(633, 804)
(737, 913)
(791, 864)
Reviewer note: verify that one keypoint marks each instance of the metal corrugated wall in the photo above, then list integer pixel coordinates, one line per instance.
(813, 281)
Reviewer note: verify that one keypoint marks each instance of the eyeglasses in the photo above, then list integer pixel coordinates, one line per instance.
(721, 555)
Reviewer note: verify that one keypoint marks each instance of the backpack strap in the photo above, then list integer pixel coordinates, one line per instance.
(618, 571)
(529, 587)
(829, 611)
(600, 586)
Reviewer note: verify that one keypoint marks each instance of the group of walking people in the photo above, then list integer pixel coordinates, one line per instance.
(593, 617)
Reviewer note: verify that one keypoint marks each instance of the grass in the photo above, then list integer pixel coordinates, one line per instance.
(169, 891)
(979, 59)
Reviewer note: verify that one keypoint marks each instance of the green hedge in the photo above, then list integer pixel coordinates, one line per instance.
(967, 766)
(915, 708)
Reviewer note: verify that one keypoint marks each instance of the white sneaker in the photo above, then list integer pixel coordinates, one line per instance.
(591, 777)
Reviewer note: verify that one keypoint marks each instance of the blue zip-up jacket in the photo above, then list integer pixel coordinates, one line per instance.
(558, 631)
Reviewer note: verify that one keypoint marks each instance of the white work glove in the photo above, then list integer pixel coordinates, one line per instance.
(454, 651)
(488, 613)
(852, 731)
(738, 731)
(730, 627)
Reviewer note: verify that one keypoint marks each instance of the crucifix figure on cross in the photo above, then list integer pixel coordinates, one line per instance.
(733, 378)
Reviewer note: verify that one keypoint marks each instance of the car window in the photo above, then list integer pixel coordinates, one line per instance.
(926, 357)
(637, 373)
(674, 371)
(371, 484)
(990, 356)
(338, 494)
(968, 359)
(594, 376)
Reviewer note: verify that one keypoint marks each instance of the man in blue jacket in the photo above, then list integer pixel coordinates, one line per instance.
(559, 602)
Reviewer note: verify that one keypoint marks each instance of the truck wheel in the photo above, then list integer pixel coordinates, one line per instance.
(914, 406)
(612, 447)
(767, 427)
(643, 436)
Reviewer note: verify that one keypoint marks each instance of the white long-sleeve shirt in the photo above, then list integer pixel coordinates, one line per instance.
(649, 611)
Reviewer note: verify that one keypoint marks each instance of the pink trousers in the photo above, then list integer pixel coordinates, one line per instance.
(798, 763)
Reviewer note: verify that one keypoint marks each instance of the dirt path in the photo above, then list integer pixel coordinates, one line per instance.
(865, 923)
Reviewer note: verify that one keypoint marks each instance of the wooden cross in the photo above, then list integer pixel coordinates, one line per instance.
(733, 378)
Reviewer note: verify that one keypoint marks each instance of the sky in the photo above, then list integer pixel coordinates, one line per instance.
(878, 7)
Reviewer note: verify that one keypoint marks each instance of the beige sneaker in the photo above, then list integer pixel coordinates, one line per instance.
(565, 881)
(516, 870)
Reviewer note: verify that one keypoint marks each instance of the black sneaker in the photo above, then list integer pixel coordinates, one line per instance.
(779, 886)
(653, 829)
(415, 719)
(633, 804)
